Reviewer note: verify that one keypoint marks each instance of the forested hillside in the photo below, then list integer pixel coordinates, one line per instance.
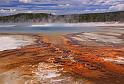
(41, 17)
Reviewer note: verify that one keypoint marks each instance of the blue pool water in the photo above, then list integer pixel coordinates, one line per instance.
(46, 29)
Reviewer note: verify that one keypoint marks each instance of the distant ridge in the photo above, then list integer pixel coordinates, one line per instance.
(42, 17)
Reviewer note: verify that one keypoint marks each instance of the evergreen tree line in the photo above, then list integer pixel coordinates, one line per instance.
(41, 17)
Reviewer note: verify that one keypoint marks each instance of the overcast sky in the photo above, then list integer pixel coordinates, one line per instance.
(60, 6)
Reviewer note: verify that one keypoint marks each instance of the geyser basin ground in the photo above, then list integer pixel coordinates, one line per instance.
(94, 57)
(14, 41)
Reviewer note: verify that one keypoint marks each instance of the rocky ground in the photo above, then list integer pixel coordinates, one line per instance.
(81, 58)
